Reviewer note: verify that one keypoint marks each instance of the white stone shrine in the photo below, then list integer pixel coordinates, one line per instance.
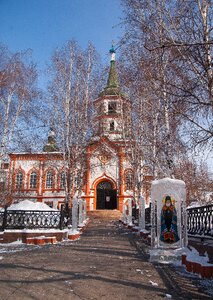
(168, 220)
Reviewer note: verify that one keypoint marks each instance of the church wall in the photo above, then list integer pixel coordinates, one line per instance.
(40, 163)
(98, 169)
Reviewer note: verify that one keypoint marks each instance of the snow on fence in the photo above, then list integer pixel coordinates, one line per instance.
(44, 219)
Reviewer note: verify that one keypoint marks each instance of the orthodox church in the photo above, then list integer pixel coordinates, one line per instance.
(109, 174)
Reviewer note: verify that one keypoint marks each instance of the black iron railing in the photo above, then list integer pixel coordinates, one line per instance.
(148, 215)
(135, 215)
(19, 219)
(200, 220)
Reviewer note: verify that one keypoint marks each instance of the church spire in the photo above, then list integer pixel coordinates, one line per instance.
(112, 81)
(112, 87)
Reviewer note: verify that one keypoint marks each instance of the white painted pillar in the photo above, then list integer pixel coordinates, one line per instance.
(141, 212)
(129, 218)
(124, 219)
(80, 216)
(75, 214)
(84, 210)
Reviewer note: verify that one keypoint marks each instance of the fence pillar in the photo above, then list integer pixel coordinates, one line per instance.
(84, 210)
(124, 213)
(141, 212)
(80, 212)
(75, 214)
(129, 217)
(61, 225)
(4, 223)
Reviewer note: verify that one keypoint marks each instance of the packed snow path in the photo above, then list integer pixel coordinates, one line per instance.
(108, 262)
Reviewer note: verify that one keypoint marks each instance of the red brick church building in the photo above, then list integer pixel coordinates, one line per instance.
(109, 173)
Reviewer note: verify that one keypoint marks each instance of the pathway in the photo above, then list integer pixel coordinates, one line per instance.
(107, 263)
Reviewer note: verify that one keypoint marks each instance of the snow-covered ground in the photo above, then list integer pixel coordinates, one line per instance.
(194, 256)
(16, 246)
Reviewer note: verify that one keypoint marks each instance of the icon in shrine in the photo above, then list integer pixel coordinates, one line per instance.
(169, 232)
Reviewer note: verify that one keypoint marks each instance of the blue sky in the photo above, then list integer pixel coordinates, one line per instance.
(43, 25)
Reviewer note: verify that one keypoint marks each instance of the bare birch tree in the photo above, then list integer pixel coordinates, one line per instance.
(17, 91)
(170, 48)
(72, 88)
(182, 29)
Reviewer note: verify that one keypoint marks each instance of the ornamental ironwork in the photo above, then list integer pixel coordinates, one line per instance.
(18, 219)
(200, 220)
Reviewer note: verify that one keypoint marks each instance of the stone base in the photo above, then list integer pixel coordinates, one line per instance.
(74, 236)
(41, 240)
(166, 256)
(10, 236)
(206, 271)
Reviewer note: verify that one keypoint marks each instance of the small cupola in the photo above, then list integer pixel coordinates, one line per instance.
(51, 145)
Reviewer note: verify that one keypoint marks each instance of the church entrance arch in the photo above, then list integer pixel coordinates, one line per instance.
(106, 195)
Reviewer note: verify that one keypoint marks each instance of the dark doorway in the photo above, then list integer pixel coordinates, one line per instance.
(106, 196)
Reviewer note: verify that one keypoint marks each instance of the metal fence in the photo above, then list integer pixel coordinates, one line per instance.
(135, 216)
(200, 220)
(19, 219)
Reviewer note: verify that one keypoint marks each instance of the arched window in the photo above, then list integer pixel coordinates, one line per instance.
(19, 180)
(62, 180)
(33, 180)
(49, 180)
(129, 180)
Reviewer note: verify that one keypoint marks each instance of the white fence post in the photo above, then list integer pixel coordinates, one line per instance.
(141, 212)
(129, 218)
(124, 212)
(80, 212)
(84, 210)
(75, 214)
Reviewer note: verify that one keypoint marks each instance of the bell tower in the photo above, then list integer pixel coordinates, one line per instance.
(113, 109)
(108, 165)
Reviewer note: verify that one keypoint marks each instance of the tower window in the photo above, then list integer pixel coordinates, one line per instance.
(112, 107)
(33, 180)
(112, 126)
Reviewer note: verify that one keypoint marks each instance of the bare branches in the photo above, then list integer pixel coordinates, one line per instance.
(72, 87)
(178, 44)
(17, 90)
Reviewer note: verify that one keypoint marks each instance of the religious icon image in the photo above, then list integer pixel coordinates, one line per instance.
(169, 233)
